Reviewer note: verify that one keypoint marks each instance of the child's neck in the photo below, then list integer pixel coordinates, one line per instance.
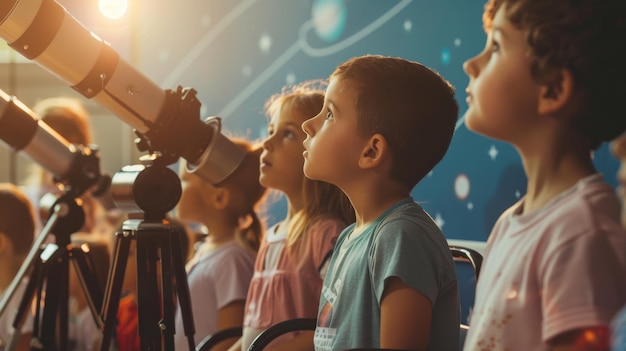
(371, 196)
(550, 176)
(218, 240)
(219, 233)
(367, 211)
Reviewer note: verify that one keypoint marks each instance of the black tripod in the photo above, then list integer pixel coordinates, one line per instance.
(154, 189)
(50, 273)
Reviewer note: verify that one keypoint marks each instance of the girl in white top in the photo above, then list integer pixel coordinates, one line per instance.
(220, 271)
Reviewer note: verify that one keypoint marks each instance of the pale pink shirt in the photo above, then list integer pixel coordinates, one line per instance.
(289, 287)
(553, 270)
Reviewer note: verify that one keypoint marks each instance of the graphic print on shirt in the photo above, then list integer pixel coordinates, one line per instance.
(324, 335)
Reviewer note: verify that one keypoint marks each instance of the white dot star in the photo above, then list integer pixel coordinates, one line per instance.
(457, 42)
(439, 220)
(470, 206)
(408, 25)
(430, 174)
(518, 194)
(493, 152)
(290, 79)
(265, 43)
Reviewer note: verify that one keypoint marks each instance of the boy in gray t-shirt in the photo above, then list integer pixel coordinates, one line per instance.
(391, 283)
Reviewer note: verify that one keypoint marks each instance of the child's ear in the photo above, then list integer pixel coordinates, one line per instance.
(374, 153)
(221, 197)
(555, 96)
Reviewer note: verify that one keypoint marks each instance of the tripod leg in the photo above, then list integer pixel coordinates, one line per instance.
(111, 301)
(55, 311)
(149, 300)
(86, 273)
(168, 291)
(182, 287)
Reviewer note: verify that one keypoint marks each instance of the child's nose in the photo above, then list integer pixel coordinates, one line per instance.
(468, 67)
(471, 66)
(306, 126)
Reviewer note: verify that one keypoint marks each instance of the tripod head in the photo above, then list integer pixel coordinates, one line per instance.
(150, 187)
(71, 216)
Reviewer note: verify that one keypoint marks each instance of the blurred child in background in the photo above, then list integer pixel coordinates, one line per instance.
(220, 270)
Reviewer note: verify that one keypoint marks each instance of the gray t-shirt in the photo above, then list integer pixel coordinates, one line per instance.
(403, 242)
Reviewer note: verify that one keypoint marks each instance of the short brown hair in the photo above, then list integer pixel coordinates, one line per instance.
(17, 218)
(586, 37)
(412, 106)
(68, 117)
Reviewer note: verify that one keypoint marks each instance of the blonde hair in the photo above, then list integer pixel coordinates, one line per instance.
(321, 199)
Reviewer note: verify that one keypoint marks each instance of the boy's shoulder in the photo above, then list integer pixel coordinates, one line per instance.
(409, 218)
(409, 211)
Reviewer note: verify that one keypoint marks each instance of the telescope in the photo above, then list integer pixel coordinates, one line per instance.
(77, 167)
(168, 126)
(167, 121)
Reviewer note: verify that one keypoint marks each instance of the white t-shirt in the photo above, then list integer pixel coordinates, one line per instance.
(549, 271)
(219, 277)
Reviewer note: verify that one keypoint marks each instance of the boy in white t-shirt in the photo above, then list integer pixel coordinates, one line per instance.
(554, 268)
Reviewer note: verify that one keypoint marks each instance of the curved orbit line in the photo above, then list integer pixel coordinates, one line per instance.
(292, 50)
(208, 38)
(351, 39)
(259, 80)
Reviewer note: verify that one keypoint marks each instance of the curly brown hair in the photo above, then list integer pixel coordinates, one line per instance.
(586, 37)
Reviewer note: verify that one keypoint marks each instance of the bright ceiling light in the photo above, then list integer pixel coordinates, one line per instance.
(113, 9)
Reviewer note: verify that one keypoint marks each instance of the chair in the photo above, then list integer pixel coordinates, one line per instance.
(467, 263)
(463, 329)
(278, 329)
(210, 341)
(471, 255)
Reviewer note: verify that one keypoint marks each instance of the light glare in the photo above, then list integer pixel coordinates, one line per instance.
(113, 9)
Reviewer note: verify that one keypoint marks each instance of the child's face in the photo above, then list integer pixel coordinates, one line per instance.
(333, 145)
(618, 147)
(281, 159)
(502, 95)
(194, 200)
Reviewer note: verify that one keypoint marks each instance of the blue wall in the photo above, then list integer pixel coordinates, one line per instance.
(237, 53)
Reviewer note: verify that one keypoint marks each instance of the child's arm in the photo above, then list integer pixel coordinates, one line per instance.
(236, 346)
(230, 316)
(302, 342)
(405, 316)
